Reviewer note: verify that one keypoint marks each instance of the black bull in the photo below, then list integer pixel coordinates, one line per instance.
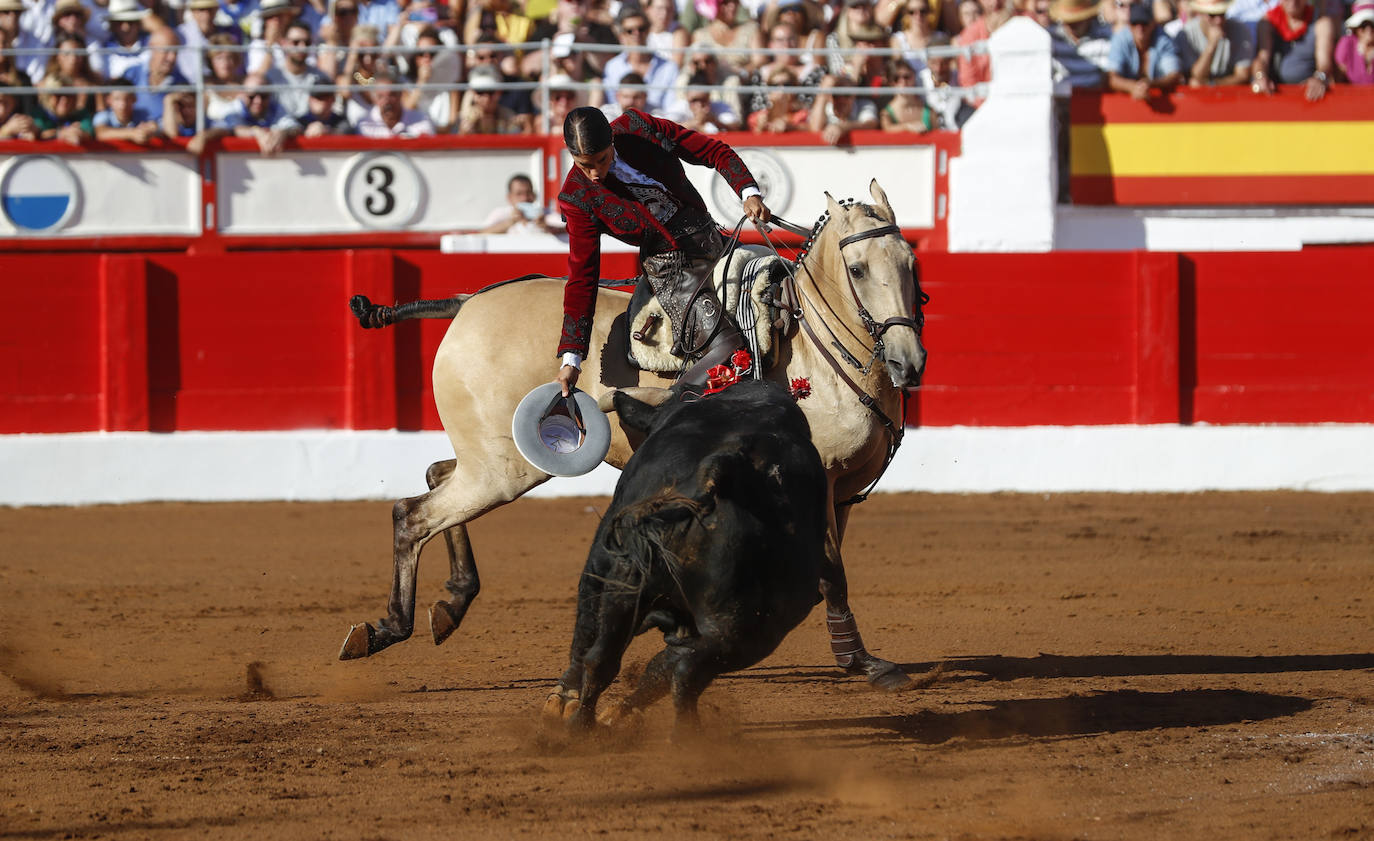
(716, 536)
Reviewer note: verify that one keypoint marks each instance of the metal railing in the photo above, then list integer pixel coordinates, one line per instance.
(201, 87)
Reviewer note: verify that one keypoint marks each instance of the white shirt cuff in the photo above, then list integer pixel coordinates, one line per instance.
(573, 359)
(749, 191)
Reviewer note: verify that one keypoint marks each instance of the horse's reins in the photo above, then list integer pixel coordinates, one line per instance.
(895, 431)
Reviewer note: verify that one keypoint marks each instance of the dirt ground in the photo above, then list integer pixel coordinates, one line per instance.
(1116, 666)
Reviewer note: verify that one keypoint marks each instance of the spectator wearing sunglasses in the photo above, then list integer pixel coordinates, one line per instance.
(1142, 57)
(294, 69)
(259, 116)
(1212, 49)
(658, 73)
(335, 36)
(913, 32)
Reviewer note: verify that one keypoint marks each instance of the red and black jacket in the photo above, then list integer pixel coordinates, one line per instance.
(657, 148)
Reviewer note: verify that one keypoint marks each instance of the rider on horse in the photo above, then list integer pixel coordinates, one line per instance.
(627, 180)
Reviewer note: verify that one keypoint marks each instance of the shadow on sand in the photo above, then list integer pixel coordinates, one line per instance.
(1104, 712)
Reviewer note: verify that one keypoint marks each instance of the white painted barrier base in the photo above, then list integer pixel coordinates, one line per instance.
(91, 468)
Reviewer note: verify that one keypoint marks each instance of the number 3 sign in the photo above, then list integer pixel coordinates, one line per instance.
(382, 190)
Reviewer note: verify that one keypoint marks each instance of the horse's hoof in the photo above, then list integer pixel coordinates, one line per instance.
(570, 709)
(442, 622)
(882, 675)
(359, 642)
(893, 680)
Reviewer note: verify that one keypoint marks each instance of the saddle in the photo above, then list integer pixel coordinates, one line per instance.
(746, 288)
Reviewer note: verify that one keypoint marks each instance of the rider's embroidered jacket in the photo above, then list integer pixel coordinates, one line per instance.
(657, 148)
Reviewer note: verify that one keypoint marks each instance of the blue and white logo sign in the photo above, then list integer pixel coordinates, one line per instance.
(38, 193)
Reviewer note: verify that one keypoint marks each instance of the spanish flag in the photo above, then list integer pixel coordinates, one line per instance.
(1223, 146)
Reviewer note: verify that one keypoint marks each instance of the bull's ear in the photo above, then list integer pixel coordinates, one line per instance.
(880, 199)
(634, 413)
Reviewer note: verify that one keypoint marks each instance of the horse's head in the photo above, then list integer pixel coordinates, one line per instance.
(880, 268)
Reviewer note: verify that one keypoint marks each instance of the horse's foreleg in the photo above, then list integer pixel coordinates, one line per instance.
(463, 582)
(845, 641)
(414, 522)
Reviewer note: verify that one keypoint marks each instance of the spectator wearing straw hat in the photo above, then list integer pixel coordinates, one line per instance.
(269, 28)
(482, 111)
(1079, 44)
(1212, 49)
(202, 23)
(123, 49)
(20, 38)
(69, 21)
(1355, 51)
(60, 116)
(1142, 57)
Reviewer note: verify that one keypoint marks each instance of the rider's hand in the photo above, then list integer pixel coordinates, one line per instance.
(756, 210)
(567, 378)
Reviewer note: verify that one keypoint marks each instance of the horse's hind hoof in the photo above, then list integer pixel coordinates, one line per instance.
(882, 675)
(442, 622)
(359, 642)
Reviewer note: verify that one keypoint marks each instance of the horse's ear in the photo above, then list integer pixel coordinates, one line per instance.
(833, 208)
(880, 198)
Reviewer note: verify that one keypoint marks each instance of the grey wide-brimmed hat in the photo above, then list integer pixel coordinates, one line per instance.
(558, 435)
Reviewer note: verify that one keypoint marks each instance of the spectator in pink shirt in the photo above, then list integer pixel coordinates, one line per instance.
(1355, 51)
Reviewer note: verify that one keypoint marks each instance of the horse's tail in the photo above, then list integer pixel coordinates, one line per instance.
(372, 315)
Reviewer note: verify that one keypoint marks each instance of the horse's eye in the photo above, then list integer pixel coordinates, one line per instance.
(856, 272)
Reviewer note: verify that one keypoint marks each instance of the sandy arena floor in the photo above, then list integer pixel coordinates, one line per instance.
(1172, 666)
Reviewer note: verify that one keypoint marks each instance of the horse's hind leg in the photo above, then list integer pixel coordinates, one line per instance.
(414, 522)
(845, 642)
(463, 582)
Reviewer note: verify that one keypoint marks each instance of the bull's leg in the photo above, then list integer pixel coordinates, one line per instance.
(601, 663)
(653, 684)
(463, 582)
(414, 522)
(565, 699)
(845, 642)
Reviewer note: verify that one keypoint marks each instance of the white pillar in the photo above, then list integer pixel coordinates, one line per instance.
(1002, 185)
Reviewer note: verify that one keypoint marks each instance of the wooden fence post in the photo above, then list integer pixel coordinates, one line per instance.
(1157, 337)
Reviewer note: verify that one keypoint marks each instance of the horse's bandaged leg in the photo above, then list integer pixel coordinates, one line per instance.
(845, 642)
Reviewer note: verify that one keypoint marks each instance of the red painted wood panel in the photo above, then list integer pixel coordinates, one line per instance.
(264, 340)
(49, 346)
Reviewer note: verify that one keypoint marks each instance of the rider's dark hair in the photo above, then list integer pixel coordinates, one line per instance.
(586, 131)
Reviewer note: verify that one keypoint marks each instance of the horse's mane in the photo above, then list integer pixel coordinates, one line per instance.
(825, 218)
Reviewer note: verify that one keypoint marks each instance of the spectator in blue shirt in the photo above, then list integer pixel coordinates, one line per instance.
(658, 73)
(124, 119)
(382, 14)
(158, 72)
(258, 116)
(1142, 56)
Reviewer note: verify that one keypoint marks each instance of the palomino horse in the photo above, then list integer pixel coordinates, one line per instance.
(857, 263)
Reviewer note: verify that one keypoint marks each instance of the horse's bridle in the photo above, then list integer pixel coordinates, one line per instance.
(875, 329)
(895, 430)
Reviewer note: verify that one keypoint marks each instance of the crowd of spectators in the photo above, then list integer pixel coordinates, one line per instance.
(388, 68)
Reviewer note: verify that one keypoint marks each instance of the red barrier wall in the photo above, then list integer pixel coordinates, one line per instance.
(264, 340)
